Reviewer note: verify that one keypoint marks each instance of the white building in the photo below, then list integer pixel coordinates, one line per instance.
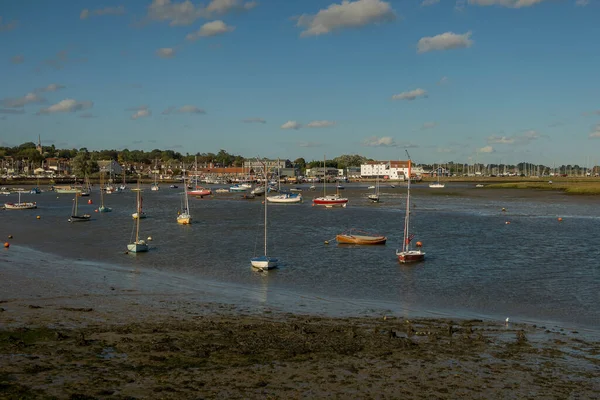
(392, 170)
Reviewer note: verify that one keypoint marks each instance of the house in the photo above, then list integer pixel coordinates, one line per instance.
(110, 166)
(393, 170)
(60, 166)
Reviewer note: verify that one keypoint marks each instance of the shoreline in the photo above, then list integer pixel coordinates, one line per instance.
(101, 336)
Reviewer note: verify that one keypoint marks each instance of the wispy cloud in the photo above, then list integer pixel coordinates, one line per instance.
(588, 113)
(348, 14)
(429, 125)
(86, 13)
(374, 141)
(486, 149)
(520, 139)
(291, 125)
(53, 87)
(254, 120)
(20, 102)
(410, 95)
(320, 124)
(427, 3)
(18, 59)
(186, 13)
(444, 41)
(213, 28)
(506, 3)
(166, 52)
(582, 3)
(443, 80)
(140, 112)
(67, 105)
(12, 111)
(187, 109)
(309, 144)
(8, 25)
(595, 132)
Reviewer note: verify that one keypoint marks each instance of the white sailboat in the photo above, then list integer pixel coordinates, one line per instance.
(264, 262)
(155, 186)
(137, 245)
(438, 184)
(75, 216)
(408, 254)
(102, 207)
(374, 197)
(184, 217)
(27, 205)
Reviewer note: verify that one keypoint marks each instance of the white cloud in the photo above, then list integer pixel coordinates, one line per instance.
(320, 124)
(291, 125)
(410, 95)
(120, 10)
(494, 139)
(426, 3)
(348, 14)
(19, 102)
(141, 113)
(429, 125)
(166, 52)
(506, 3)
(443, 80)
(187, 109)
(486, 149)
(384, 141)
(444, 41)
(255, 120)
(186, 13)
(309, 144)
(67, 105)
(582, 3)
(213, 28)
(595, 133)
(8, 26)
(53, 87)
(19, 59)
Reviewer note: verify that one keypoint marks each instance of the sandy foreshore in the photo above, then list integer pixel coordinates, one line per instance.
(67, 334)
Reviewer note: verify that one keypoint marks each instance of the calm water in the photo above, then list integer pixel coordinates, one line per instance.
(535, 269)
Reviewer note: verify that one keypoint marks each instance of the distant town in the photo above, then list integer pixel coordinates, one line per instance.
(31, 160)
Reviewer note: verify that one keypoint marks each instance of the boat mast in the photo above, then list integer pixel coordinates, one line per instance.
(139, 212)
(407, 215)
(266, 186)
(324, 176)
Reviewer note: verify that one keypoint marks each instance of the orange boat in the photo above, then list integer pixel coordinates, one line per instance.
(360, 237)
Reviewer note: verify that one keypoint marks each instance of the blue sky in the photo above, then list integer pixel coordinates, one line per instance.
(477, 80)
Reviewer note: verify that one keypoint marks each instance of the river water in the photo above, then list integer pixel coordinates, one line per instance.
(533, 269)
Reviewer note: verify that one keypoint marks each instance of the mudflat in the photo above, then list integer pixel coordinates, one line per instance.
(50, 349)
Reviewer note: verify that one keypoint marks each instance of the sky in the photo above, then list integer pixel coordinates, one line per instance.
(491, 81)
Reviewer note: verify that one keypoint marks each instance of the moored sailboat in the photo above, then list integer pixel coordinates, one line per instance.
(331, 200)
(264, 262)
(75, 216)
(137, 245)
(408, 254)
(102, 207)
(184, 217)
(27, 205)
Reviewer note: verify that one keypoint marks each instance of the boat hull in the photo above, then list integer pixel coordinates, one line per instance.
(184, 219)
(361, 239)
(286, 199)
(142, 215)
(330, 202)
(264, 262)
(437, 185)
(80, 218)
(373, 198)
(410, 256)
(20, 206)
(139, 247)
(199, 192)
(104, 209)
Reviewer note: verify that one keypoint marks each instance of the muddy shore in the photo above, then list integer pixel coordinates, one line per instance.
(50, 349)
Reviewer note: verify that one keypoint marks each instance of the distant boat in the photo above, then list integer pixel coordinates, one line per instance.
(75, 216)
(480, 185)
(286, 198)
(184, 217)
(102, 207)
(198, 190)
(174, 186)
(331, 200)
(355, 236)
(138, 245)
(238, 188)
(374, 197)
(258, 191)
(407, 254)
(28, 205)
(438, 184)
(264, 262)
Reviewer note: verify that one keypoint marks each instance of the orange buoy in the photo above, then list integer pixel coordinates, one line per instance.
(559, 219)
(419, 244)
(90, 201)
(6, 244)
(38, 217)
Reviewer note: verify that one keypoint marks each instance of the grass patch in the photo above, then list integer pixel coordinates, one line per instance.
(574, 188)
